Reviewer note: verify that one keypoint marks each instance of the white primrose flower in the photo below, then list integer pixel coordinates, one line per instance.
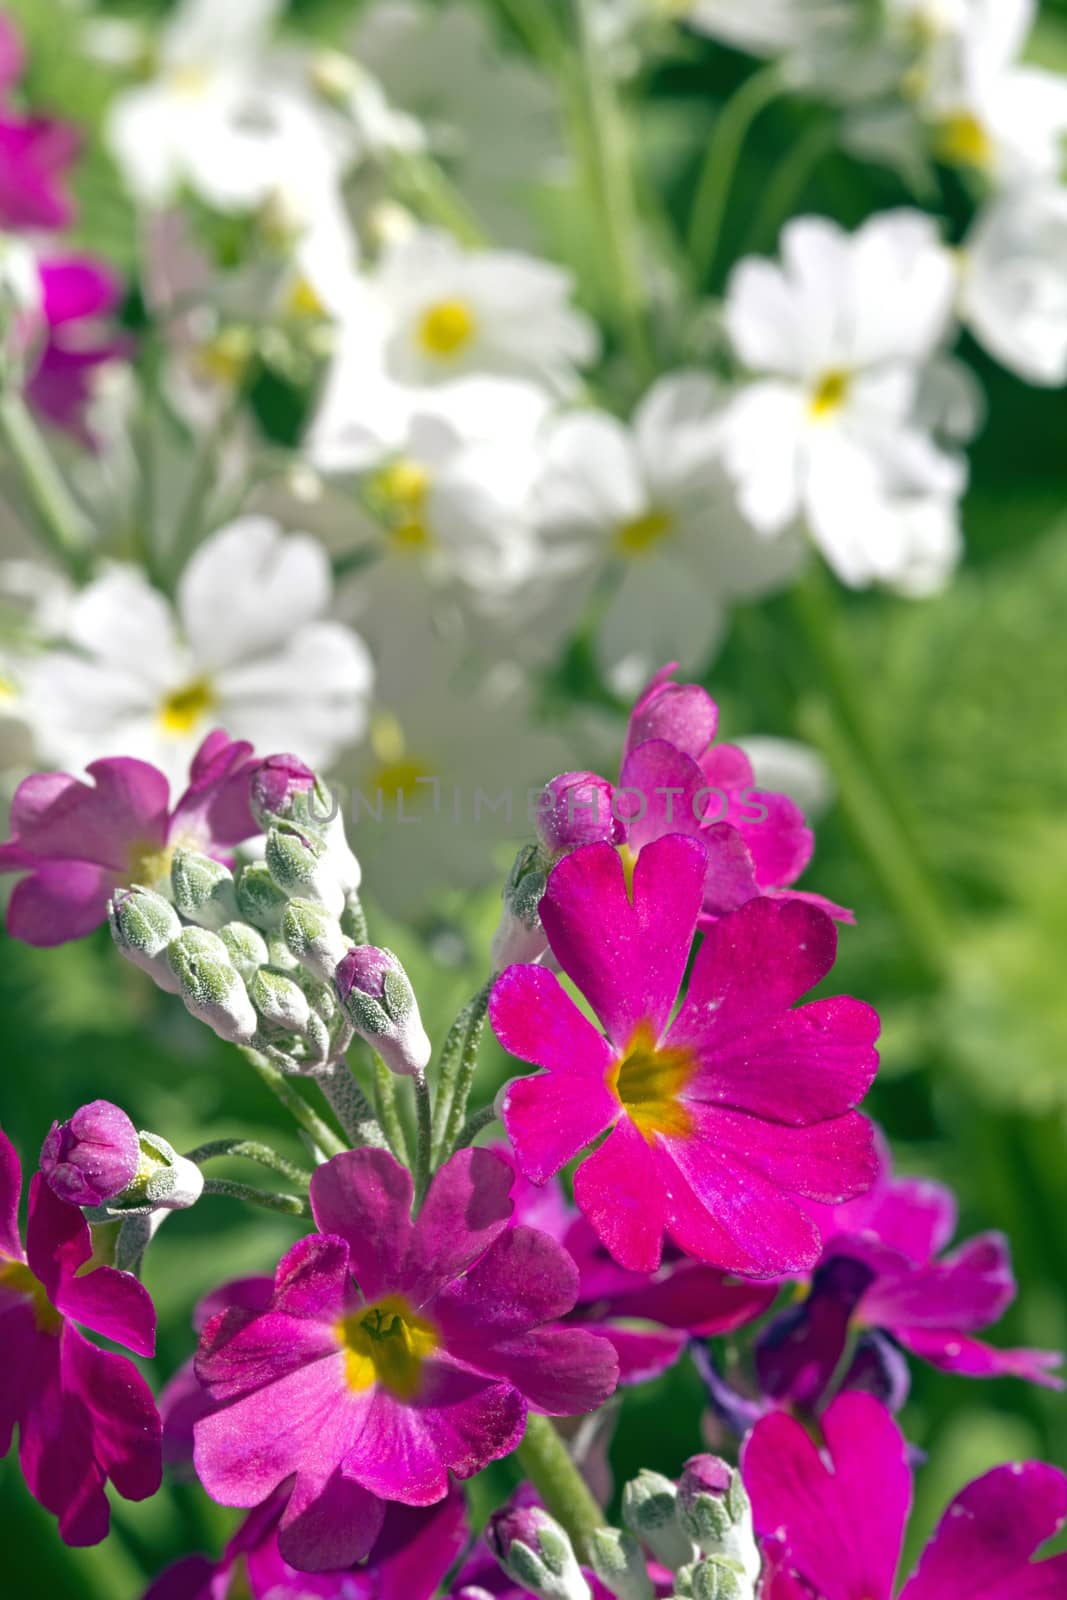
(223, 115)
(1013, 288)
(485, 114)
(987, 110)
(828, 428)
(454, 311)
(652, 499)
(246, 646)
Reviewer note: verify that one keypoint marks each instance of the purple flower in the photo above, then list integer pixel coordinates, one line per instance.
(680, 781)
(35, 153)
(410, 1558)
(79, 297)
(833, 1521)
(649, 1317)
(277, 783)
(882, 1271)
(84, 1415)
(379, 1001)
(576, 809)
(424, 1372)
(720, 1115)
(93, 1157)
(79, 842)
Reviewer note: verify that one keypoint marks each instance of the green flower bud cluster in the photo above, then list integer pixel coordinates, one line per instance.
(699, 1528)
(253, 952)
(519, 935)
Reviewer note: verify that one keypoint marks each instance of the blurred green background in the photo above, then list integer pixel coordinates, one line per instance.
(960, 702)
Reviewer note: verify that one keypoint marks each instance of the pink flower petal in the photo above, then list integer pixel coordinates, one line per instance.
(10, 1191)
(365, 1197)
(467, 1207)
(626, 957)
(125, 1423)
(983, 1543)
(619, 1190)
(643, 1353)
(525, 1278)
(968, 1289)
(564, 1372)
(683, 713)
(56, 1447)
(59, 901)
(329, 1525)
(952, 1351)
(842, 1530)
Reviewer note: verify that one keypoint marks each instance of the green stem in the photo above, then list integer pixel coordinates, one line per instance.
(474, 1125)
(720, 163)
(788, 182)
(456, 1071)
(546, 1461)
(385, 1103)
(420, 183)
(321, 1134)
(60, 519)
(424, 1136)
(613, 191)
(351, 1105)
(191, 526)
(294, 1205)
(249, 1150)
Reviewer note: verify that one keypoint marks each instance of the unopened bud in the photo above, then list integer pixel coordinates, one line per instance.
(575, 809)
(281, 1003)
(246, 947)
(719, 1578)
(203, 889)
(650, 1511)
(714, 1509)
(519, 935)
(259, 899)
(211, 986)
(618, 1562)
(314, 938)
(285, 789)
(536, 1553)
(165, 1181)
(143, 924)
(92, 1157)
(299, 864)
(380, 1003)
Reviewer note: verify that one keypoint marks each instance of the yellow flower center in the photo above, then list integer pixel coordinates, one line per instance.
(398, 494)
(386, 1343)
(149, 863)
(224, 359)
(181, 710)
(191, 80)
(16, 1278)
(446, 328)
(8, 690)
(648, 1082)
(641, 534)
(399, 769)
(962, 141)
(303, 300)
(829, 394)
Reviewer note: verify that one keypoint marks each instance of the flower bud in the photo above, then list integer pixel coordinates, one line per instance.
(142, 925)
(618, 1562)
(314, 938)
(284, 789)
(246, 947)
(281, 1003)
(93, 1157)
(299, 864)
(165, 1180)
(259, 899)
(380, 1003)
(714, 1509)
(203, 889)
(536, 1553)
(718, 1578)
(211, 986)
(519, 935)
(650, 1511)
(576, 809)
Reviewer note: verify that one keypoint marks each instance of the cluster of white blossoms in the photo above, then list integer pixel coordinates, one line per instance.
(349, 235)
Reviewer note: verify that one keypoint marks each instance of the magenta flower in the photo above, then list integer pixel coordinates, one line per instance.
(676, 779)
(35, 153)
(79, 299)
(84, 1415)
(481, 1576)
(833, 1521)
(79, 842)
(720, 1117)
(426, 1370)
(93, 1157)
(410, 1559)
(648, 1317)
(882, 1274)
